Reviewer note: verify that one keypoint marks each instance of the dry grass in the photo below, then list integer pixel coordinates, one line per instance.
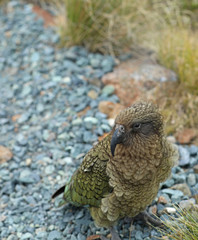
(182, 227)
(178, 50)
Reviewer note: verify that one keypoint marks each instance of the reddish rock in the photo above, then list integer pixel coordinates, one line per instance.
(47, 17)
(138, 79)
(186, 135)
(153, 209)
(162, 200)
(5, 154)
(93, 237)
(16, 117)
(110, 109)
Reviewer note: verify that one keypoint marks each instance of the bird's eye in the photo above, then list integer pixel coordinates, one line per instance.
(136, 125)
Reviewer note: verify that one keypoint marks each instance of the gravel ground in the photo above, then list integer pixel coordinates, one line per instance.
(43, 92)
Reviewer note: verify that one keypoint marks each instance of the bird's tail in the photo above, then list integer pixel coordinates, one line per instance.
(58, 192)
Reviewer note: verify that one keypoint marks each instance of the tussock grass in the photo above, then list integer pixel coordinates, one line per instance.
(184, 226)
(179, 52)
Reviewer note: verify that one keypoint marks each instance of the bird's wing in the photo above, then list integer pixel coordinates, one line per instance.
(170, 158)
(90, 183)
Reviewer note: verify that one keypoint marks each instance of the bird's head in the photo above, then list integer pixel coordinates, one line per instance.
(140, 122)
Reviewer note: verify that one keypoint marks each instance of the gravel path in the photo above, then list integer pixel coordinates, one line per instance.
(43, 91)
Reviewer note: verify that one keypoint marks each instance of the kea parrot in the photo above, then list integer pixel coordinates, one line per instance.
(120, 176)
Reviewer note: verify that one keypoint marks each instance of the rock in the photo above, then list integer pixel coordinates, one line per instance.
(49, 169)
(89, 137)
(168, 183)
(187, 204)
(162, 200)
(90, 122)
(153, 209)
(27, 236)
(95, 63)
(179, 178)
(110, 109)
(26, 176)
(172, 192)
(186, 135)
(137, 79)
(26, 91)
(169, 210)
(195, 169)
(5, 154)
(21, 140)
(23, 118)
(193, 150)
(138, 235)
(191, 179)
(108, 90)
(182, 187)
(184, 156)
(77, 122)
(92, 94)
(54, 235)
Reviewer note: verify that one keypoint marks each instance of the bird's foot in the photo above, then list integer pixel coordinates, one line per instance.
(114, 235)
(147, 218)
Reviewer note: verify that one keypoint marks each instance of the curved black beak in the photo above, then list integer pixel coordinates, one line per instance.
(117, 138)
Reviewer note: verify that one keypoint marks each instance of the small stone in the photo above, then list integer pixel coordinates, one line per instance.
(49, 169)
(27, 236)
(21, 140)
(81, 237)
(95, 63)
(184, 156)
(89, 137)
(172, 192)
(92, 94)
(153, 209)
(28, 161)
(5, 154)
(170, 210)
(63, 136)
(162, 200)
(41, 235)
(66, 80)
(26, 176)
(54, 235)
(108, 90)
(179, 178)
(193, 150)
(138, 235)
(191, 179)
(56, 78)
(90, 122)
(195, 168)
(26, 91)
(35, 57)
(182, 187)
(168, 183)
(24, 117)
(187, 204)
(77, 122)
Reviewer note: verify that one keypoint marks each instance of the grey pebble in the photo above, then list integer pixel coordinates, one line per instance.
(184, 156)
(21, 140)
(191, 179)
(27, 236)
(54, 235)
(26, 176)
